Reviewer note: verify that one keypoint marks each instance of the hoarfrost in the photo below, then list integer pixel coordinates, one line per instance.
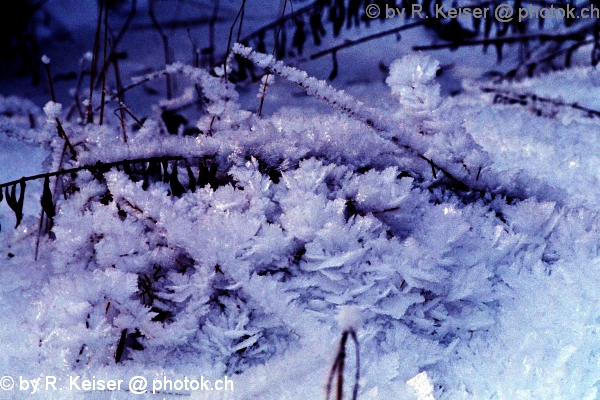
(472, 264)
(52, 110)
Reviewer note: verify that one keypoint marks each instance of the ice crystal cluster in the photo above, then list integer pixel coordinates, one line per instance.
(467, 248)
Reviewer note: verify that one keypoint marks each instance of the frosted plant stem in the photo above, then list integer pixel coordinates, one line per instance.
(403, 135)
(61, 132)
(266, 80)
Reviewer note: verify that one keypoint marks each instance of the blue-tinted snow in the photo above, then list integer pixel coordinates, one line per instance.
(492, 300)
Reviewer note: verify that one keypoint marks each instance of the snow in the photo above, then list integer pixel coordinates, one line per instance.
(458, 237)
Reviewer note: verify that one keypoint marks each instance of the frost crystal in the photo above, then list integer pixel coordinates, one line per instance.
(422, 386)
(52, 110)
(412, 80)
(219, 70)
(349, 318)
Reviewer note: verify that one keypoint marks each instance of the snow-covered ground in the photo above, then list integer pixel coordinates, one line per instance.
(463, 230)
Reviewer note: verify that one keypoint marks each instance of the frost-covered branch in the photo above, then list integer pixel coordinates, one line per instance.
(313, 87)
(99, 166)
(397, 129)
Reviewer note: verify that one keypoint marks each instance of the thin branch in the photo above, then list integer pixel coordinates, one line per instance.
(552, 56)
(239, 32)
(92, 168)
(195, 50)
(332, 373)
(275, 24)
(78, 89)
(61, 132)
(90, 115)
(120, 95)
(340, 374)
(337, 369)
(211, 33)
(504, 40)
(50, 81)
(240, 13)
(104, 67)
(137, 83)
(351, 43)
(127, 23)
(518, 98)
(266, 79)
(165, 41)
(357, 372)
(39, 234)
(180, 23)
(113, 51)
(122, 108)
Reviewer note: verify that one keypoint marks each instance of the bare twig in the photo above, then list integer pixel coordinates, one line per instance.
(276, 24)
(126, 25)
(122, 108)
(195, 50)
(165, 41)
(504, 40)
(120, 95)
(523, 98)
(61, 132)
(240, 13)
(90, 115)
(115, 41)
(211, 33)
(351, 43)
(532, 64)
(337, 369)
(104, 67)
(78, 89)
